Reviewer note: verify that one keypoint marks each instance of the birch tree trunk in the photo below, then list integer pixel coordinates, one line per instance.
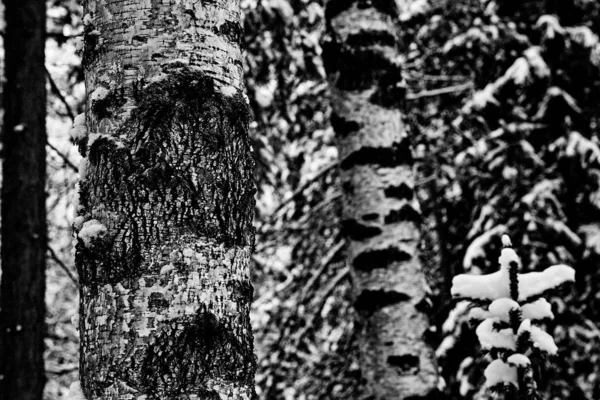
(164, 232)
(381, 215)
(22, 308)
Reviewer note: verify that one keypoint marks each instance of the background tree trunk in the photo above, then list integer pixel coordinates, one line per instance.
(23, 203)
(164, 233)
(381, 215)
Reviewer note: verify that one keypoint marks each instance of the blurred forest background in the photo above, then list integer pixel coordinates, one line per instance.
(502, 105)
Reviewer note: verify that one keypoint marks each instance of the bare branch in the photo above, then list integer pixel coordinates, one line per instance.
(60, 96)
(324, 263)
(439, 92)
(301, 188)
(61, 264)
(64, 157)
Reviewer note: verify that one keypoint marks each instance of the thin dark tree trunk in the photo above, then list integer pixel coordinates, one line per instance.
(23, 203)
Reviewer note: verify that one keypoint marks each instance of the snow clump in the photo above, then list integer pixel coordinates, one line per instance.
(90, 231)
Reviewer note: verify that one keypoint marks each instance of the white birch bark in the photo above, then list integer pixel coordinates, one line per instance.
(381, 214)
(164, 232)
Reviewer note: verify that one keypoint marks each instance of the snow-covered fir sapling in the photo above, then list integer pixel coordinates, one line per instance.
(511, 303)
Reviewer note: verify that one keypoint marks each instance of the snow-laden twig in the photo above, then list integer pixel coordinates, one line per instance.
(513, 302)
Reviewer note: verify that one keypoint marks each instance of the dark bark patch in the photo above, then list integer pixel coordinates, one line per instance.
(241, 291)
(109, 261)
(91, 48)
(104, 108)
(157, 302)
(370, 217)
(371, 38)
(336, 7)
(207, 394)
(388, 7)
(186, 352)
(181, 123)
(425, 305)
(140, 38)
(400, 192)
(407, 363)
(101, 147)
(331, 53)
(360, 68)
(348, 188)
(157, 56)
(387, 157)
(232, 31)
(357, 231)
(370, 301)
(343, 127)
(405, 213)
(383, 258)
(391, 89)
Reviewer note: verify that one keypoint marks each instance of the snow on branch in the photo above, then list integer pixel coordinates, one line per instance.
(499, 372)
(537, 283)
(506, 330)
(497, 284)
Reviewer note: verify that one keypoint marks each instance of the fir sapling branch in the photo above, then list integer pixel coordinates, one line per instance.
(513, 274)
(506, 331)
(513, 270)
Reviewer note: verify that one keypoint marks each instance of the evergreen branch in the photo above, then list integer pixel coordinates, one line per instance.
(513, 272)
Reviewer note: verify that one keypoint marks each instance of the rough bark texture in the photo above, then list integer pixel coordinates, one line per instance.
(23, 203)
(164, 233)
(381, 215)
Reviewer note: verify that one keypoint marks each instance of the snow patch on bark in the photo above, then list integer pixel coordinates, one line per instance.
(99, 94)
(87, 19)
(75, 392)
(158, 78)
(228, 90)
(91, 230)
(78, 223)
(78, 131)
(82, 168)
(95, 136)
(79, 44)
(75, 321)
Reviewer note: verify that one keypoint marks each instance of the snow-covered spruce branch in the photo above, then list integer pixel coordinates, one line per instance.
(507, 331)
